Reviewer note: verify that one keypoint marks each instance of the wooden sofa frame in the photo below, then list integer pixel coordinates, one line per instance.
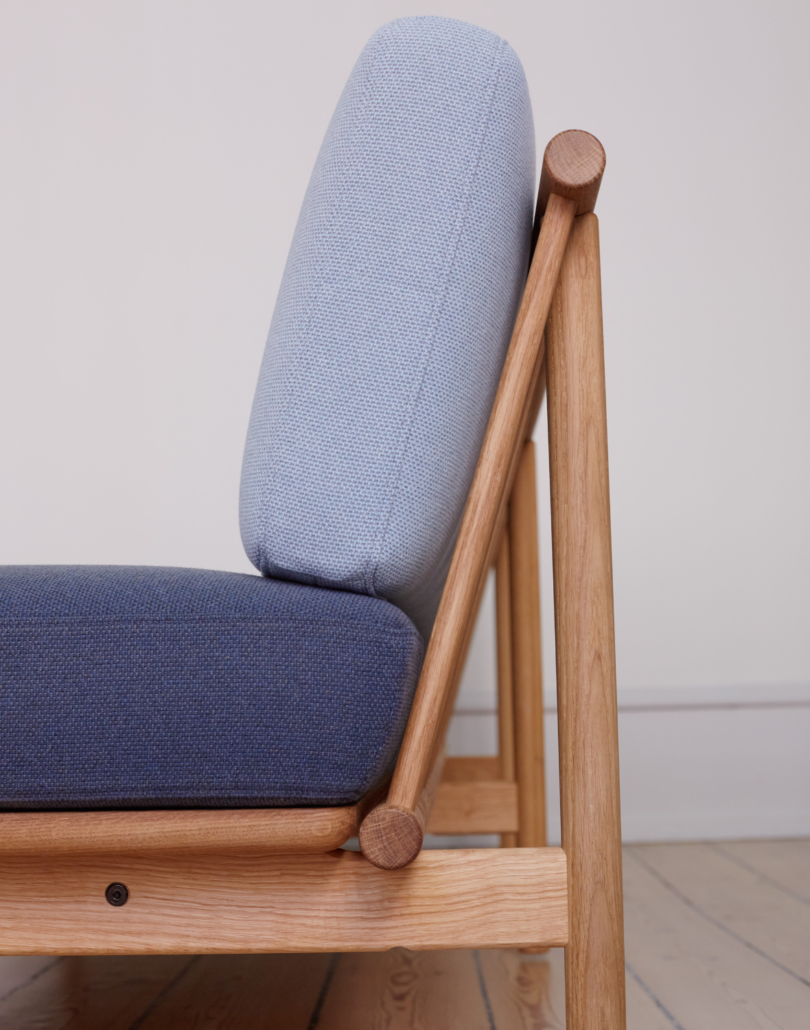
(278, 880)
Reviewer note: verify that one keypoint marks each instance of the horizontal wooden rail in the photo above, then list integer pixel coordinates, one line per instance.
(248, 902)
(273, 829)
(471, 769)
(486, 806)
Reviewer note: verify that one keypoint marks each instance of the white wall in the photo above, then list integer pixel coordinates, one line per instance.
(155, 153)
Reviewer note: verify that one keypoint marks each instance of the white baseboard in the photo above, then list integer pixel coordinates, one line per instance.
(696, 764)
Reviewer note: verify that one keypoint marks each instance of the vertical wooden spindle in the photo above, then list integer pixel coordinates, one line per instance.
(506, 695)
(527, 669)
(586, 663)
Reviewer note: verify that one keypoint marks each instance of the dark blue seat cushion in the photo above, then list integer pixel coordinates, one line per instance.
(126, 687)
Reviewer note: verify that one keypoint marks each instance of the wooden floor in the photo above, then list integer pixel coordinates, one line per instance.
(718, 937)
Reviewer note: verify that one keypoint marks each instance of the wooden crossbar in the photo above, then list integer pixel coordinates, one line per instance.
(240, 902)
(270, 829)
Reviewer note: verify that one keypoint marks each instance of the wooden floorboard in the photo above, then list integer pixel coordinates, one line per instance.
(699, 973)
(98, 993)
(526, 992)
(784, 863)
(405, 990)
(757, 913)
(718, 938)
(262, 992)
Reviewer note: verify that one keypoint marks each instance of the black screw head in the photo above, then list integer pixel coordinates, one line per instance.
(117, 894)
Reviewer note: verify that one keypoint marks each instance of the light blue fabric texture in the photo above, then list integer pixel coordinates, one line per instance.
(393, 318)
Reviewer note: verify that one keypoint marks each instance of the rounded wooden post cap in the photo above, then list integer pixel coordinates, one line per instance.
(572, 168)
(391, 838)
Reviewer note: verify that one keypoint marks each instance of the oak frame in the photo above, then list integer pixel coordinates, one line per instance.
(241, 881)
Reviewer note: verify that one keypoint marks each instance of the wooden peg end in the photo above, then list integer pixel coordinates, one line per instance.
(572, 168)
(391, 838)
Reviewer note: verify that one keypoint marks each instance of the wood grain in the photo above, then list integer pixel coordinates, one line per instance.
(506, 689)
(92, 993)
(525, 992)
(490, 489)
(182, 903)
(770, 919)
(403, 990)
(685, 970)
(229, 992)
(527, 665)
(478, 807)
(485, 511)
(391, 837)
(586, 662)
(573, 165)
(17, 970)
(700, 975)
(471, 769)
(276, 829)
(644, 1011)
(784, 862)
(536, 402)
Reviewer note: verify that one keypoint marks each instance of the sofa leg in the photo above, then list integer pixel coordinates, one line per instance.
(586, 664)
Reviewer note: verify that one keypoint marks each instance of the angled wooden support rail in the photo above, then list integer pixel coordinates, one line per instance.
(391, 835)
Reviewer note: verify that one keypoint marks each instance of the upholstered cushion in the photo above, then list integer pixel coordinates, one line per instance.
(393, 318)
(148, 687)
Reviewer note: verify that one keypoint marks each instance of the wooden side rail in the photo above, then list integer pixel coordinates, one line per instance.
(572, 170)
(241, 902)
(586, 661)
(264, 829)
(474, 797)
(489, 806)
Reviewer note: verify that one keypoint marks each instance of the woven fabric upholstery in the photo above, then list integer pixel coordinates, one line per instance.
(150, 687)
(393, 318)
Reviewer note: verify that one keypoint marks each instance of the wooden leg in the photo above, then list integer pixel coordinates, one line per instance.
(586, 663)
(527, 669)
(506, 695)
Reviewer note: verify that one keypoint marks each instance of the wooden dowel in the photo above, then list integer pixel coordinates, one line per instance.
(536, 401)
(506, 699)
(586, 664)
(526, 652)
(478, 534)
(392, 843)
(573, 165)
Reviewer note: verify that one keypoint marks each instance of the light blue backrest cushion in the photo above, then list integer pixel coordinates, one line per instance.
(393, 318)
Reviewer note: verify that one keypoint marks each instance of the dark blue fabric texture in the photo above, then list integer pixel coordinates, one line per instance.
(129, 687)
